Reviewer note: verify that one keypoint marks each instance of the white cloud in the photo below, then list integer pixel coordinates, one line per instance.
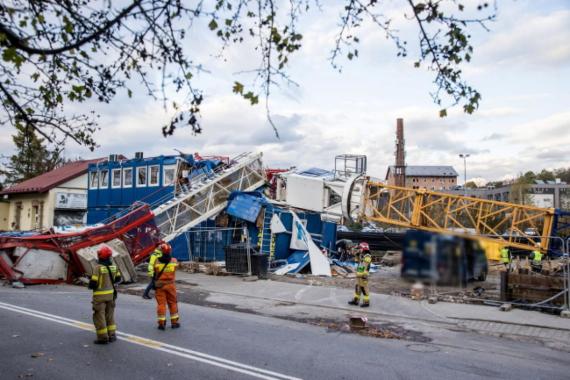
(535, 41)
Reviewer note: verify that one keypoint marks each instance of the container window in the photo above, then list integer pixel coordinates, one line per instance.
(153, 180)
(141, 176)
(104, 178)
(93, 180)
(127, 177)
(168, 175)
(116, 178)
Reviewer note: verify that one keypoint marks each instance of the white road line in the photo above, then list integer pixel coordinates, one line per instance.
(157, 345)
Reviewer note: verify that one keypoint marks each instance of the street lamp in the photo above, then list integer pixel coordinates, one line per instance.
(464, 156)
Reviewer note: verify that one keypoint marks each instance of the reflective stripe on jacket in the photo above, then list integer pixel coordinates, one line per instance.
(169, 273)
(104, 282)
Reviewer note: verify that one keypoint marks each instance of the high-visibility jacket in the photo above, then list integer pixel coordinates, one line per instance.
(168, 275)
(537, 257)
(505, 256)
(102, 283)
(151, 262)
(363, 268)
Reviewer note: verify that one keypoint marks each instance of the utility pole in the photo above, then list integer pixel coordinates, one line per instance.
(464, 156)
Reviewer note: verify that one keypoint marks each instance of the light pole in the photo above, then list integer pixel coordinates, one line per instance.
(464, 156)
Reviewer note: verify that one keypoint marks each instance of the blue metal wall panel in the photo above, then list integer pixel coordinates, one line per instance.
(180, 248)
(245, 206)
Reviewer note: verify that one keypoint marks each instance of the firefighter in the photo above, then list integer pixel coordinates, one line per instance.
(160, 249)
(165, 275)
(506, 258)
(536, 257)
(363, 260)
(103, 280)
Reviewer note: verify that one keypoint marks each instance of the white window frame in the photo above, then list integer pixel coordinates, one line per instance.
(93, 177)
(101, 177)
(113, 186)
(138, 169)
(125, 171)
(149, 176)
(164, 169)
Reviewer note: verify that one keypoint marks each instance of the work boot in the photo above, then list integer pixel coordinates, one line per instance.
(112, 338)
(365, 304)
(353, 302)
(100, 341)
(146, 297)
(175, 325)
(161, 327)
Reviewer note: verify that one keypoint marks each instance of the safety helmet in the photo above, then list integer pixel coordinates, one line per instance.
(165, 248)
(104, 252)
(364, 246)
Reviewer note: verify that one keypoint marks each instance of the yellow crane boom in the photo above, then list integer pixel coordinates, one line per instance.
(513, 225)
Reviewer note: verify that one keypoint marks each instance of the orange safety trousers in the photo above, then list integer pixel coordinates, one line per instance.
(166, 295)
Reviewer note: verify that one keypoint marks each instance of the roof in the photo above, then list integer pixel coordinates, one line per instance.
(315, 172)
(49, 180)
(427, 171)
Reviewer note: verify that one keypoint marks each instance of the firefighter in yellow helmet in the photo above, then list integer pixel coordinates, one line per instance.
(363, 260)
(102, 283)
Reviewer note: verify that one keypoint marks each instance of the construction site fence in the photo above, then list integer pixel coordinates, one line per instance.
(232, 246)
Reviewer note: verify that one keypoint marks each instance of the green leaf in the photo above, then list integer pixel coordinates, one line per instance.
(238, 88)
(213, 25)
(443, 113)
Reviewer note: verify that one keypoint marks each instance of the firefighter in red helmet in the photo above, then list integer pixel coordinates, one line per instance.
(162, 248)
(105, 276)
(363, 260)
(165, 276)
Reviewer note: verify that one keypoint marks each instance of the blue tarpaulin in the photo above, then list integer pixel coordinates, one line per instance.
(245, 205)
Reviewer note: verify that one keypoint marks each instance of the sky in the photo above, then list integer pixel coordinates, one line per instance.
(521, 67)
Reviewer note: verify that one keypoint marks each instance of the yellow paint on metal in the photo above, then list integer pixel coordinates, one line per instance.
(508, 224)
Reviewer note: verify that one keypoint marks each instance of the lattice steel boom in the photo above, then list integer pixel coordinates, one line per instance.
(514, 225)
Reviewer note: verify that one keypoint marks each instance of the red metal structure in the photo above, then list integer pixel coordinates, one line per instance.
(136, 228)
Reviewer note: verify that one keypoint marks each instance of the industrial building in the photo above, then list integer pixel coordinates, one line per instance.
(427, 177)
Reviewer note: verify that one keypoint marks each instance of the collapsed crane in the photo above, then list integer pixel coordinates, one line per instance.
(513, 225)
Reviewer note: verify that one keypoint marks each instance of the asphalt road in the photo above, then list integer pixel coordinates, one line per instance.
(44, 334)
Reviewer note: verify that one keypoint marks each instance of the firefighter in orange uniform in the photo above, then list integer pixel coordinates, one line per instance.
(165, 272)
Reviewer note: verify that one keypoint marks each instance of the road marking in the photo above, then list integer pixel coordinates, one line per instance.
(157, 345)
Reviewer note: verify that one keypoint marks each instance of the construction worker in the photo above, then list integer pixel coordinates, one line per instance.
(506, 258)
(363, 260)
(165, 270)
(158, 252)
(536, 257)
(102, 283)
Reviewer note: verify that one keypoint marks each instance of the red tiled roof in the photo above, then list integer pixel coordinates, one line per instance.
(49, 180)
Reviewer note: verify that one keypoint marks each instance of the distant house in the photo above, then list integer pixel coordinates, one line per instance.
(55, 198)
(427, 177)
